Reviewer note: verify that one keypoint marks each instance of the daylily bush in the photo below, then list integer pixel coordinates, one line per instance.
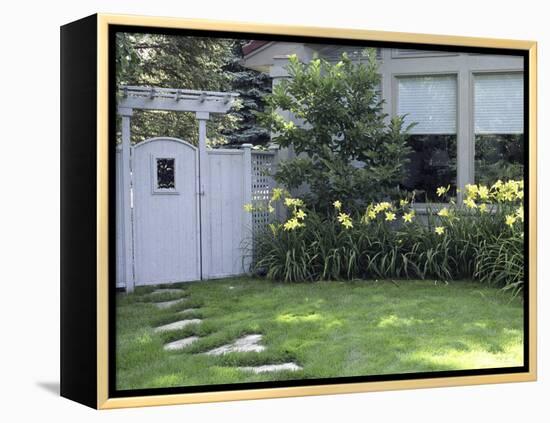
(481, 239)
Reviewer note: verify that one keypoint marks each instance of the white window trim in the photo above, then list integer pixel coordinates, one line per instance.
(462, 166)
(396, 55)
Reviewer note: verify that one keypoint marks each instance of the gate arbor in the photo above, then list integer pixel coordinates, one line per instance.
(179, 207)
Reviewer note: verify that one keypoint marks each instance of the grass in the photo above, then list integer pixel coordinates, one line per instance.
(329, 328)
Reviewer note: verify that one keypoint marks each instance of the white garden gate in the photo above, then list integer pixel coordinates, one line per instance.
(165, 218)
(180, 213)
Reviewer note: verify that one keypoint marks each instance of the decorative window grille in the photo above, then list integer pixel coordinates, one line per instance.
(263, 165)
(166, 178)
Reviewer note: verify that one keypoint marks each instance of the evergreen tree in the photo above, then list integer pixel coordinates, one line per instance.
(252, 87)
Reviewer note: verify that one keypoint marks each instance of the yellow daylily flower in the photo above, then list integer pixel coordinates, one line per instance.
(471, 190)
(519, 213)
(441, 191)
(483, 192)
(384, 205)
(347, 224)
(444, 212)
(483, 208)
(390, 216)
(403, 203)
(440, 230)
(497, 185)
(277, 194)
(408, 217)
(295, 202)
(337, 205)
(300, 214)
(345, 220)
(470, 203)
(292, 224)
(508, 196)
(248, 208)
(519, 195)
(510, 220)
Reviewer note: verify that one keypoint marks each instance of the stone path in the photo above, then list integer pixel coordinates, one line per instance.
(180, 324)
(180, 343)
(168, 304)
(292, 367)
(244, 344)
(248, 343)
(188, 310)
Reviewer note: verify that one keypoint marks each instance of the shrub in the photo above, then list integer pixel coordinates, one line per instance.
(481, 239)
(341, 124)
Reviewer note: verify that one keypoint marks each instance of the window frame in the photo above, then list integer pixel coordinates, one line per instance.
(421, 207)
(395, 53)
(471, 104)
(155, 190)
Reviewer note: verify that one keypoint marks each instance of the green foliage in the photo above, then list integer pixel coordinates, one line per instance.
(480, 241)
(341, 124)
(252, 87)
(500, 261)
(198, 63)
(177, 62)
(330, 329)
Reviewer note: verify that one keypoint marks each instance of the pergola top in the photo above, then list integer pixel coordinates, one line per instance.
(175, 99)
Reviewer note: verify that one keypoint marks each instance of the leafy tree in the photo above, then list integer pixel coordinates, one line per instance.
(345, 147)
(198, 63)
(179, 62)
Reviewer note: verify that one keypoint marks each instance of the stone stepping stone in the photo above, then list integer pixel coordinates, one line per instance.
(180, 324)
(167, 304)
(167, 291)
(180, 343)
(248, 343)
(290, 367)
(188, 310)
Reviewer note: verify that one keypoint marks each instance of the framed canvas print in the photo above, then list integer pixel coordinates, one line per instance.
(255, 211)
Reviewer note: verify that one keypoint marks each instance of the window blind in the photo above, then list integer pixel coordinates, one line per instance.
(498, 103)
(430, 101)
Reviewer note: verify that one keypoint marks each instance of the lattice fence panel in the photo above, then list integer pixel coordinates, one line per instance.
(263, 165)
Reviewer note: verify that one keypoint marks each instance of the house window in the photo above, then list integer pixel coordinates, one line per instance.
(498, 122)
(166, 178)
(430, 102)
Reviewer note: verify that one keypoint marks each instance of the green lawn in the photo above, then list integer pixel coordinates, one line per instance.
(329, 328)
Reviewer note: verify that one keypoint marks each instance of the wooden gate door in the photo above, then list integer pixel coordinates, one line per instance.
(166, 229)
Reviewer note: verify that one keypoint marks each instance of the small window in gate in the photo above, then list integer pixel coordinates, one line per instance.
(166, 176)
